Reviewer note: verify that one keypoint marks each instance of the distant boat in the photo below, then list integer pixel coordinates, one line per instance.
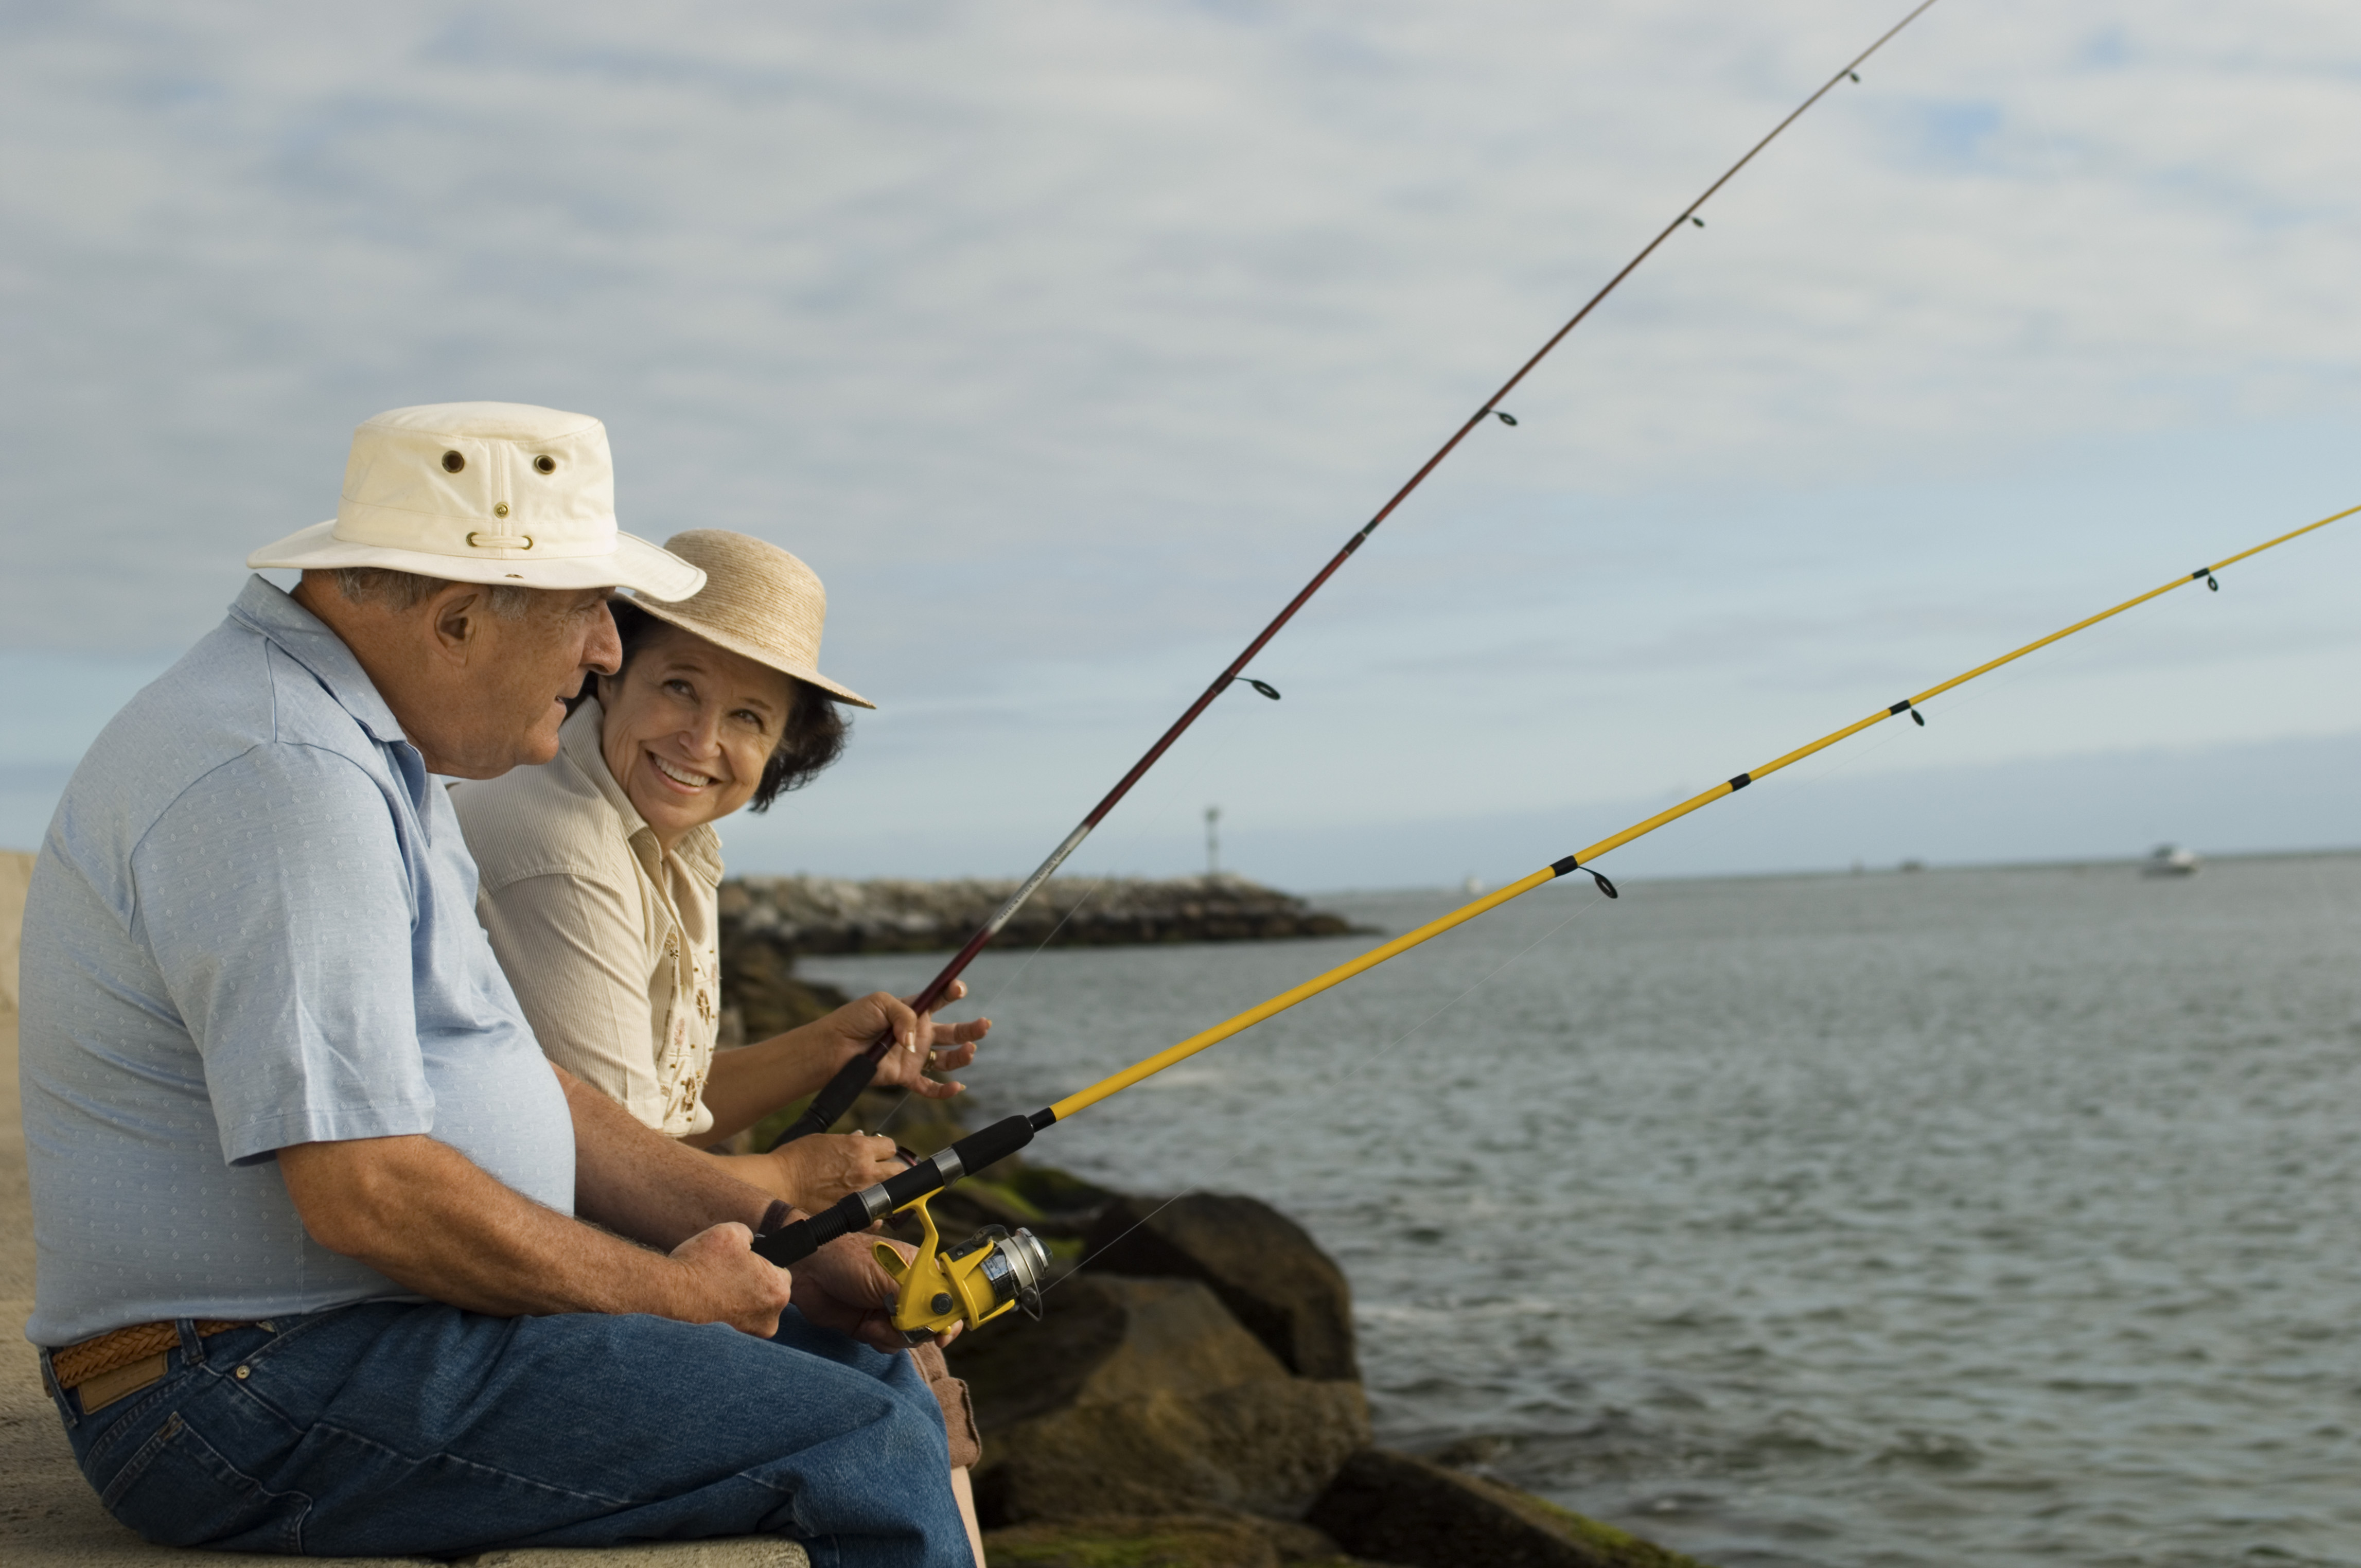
(2171, 860)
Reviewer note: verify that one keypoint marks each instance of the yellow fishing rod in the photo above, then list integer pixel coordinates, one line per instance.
(993, 1271)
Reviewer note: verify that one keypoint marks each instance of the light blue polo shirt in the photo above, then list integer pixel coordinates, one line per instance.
(253, 923)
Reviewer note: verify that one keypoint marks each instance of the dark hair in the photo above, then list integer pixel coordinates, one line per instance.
(812, 738)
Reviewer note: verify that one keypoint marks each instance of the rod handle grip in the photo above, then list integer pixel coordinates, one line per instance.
(837, 1095)
(790, 1244)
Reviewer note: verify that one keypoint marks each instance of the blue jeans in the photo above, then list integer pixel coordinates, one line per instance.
(395, 1429)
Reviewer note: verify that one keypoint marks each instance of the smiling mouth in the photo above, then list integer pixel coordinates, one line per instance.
(679, 775)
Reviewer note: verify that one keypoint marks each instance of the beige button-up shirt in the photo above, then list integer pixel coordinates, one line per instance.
(612, 945)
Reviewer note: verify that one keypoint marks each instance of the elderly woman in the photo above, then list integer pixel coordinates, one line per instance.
(599, 871)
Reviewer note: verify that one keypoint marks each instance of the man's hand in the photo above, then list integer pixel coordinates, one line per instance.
(918, 1041)
(840, 1287)
(724, 1282)
(816, 1171)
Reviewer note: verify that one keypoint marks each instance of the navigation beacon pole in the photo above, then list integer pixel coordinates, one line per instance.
(836, 1097)
(993, 1270)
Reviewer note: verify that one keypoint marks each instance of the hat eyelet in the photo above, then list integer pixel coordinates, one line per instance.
(453, 461)
(499, 541)
(545, 463)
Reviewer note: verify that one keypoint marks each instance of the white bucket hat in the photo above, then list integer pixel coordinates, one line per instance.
(484, 493)
(758, 601)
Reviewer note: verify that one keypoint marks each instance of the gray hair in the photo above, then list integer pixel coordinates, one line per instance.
(402, 591)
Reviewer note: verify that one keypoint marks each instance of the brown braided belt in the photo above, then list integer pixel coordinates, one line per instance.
(122, 1351)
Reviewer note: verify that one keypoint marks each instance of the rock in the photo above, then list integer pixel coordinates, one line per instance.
(1169, 1541)
(916, 1123)
(1399, 1509)
(1052, 1192)
(759, 983)
(1180, 1541)
(828, 915)
(1263, 1265)
(1145, 1396)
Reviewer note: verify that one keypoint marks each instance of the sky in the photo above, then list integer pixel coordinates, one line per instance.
(1067, 341)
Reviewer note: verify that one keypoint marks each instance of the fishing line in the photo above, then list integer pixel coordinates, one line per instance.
(837, 1097)
(990, 1273)
(1084, 1262)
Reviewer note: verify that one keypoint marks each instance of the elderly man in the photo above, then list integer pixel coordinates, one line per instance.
(330, 1261)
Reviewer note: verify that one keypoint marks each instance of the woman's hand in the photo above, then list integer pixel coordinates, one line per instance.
(947, 1047)
(816, 1171)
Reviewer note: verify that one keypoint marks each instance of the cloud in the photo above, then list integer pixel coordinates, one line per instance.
(1067, 339)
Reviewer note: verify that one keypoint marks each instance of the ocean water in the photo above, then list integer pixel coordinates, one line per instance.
(1961, 1217)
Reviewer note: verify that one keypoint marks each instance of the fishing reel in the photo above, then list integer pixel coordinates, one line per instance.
(971, 1283)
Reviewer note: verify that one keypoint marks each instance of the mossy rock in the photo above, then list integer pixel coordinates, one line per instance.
(1399, 1510)
(1053, 1191)
(1266, 1268)
(1145, 1397)
(1177, 1541)
(759, 979)
(1172, 1541)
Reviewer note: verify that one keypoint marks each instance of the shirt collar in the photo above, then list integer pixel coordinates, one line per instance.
(578, 738)
(306, 639)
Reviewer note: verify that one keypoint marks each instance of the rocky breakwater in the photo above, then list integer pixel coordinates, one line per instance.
(1192, 1397)
(828, 915)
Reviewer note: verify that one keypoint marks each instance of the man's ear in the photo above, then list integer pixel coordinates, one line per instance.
(455, 616)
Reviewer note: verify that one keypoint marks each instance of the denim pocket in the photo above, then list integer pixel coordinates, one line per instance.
(176, 1490)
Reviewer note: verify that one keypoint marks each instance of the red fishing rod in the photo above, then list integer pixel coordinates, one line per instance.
(837, 1097)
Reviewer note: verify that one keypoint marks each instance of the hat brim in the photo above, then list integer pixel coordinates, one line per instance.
(671, 616)
(635, 564)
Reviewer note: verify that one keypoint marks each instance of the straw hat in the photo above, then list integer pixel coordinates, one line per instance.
(758, 600)
(484, 493)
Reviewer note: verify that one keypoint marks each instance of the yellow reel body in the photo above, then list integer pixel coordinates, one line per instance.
(971, 1283)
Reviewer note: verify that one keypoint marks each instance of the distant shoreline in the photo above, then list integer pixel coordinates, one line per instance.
(814, 915)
